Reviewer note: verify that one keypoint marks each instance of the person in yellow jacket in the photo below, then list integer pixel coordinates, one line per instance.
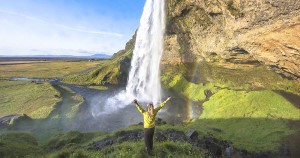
(149, 122)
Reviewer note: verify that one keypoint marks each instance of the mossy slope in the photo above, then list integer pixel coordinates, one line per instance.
(239, 102)
(35, 100)
(113, 72)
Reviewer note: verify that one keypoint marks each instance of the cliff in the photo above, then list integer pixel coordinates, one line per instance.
(235, 32)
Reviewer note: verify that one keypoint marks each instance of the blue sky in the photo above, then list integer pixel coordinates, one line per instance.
(67, 27)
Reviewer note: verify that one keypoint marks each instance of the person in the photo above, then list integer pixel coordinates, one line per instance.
(149, 121)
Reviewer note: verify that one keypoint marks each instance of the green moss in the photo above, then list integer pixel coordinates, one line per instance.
(178, 83)
(35, 100)
(113, 71)
(229, 76)
(70, 139)
(255, 121)
(252, 120)
(98, 87)
(110, 73)
(255, 104)
(19, 145)
(137, 149)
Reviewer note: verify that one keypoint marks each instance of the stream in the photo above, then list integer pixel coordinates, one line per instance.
(123, 117)
(176, 111)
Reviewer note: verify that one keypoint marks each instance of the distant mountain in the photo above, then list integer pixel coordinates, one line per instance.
(105, 56)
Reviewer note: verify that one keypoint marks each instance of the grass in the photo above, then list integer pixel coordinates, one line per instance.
(35, 100)
(50, 69)
(100, 76)
(195, 92)
(98, 87)
(212, 77)
(19, 145)
(72, 144)
(235, 76)
(70, 105)
(136, 149)
(254, 104)
(255, 121)
(243, 107)
(111, 72)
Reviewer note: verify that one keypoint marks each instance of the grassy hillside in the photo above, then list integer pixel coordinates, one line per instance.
(35, 100)
(240, 104)
(255, 121)
(74, 144)
(112, 72)
(46, 69)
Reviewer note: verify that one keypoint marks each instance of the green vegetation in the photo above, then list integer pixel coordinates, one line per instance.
(74, 143)
(46, 69)
(239, 104)
(71, 139)
(111, 72)
(136, 149)
(246, 77)
(255, 121)
(70, 105)
(19, 145)
(35, 100)
(195, 92)
(213, 77)
(254, 104)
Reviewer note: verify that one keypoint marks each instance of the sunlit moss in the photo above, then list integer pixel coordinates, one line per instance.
(254, 104)
(195, 92)
(35, 100)
(255, 121)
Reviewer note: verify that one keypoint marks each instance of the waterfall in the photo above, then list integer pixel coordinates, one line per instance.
(144, 76)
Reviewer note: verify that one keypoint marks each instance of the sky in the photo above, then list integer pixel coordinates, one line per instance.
(67, 27)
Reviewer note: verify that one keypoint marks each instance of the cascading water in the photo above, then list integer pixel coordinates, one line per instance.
(144, 76)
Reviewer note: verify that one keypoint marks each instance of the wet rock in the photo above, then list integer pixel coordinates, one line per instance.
(120, 137)
(10, 120)
(229, 151)
(192, 134)
(170, 134)
(103, 143)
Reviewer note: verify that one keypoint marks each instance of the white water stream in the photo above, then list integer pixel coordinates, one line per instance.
(144, 76)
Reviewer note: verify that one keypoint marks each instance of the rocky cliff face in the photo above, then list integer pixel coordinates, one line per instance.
(252, 32)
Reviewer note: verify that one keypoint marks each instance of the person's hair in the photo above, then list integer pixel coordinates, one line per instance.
(152, 107)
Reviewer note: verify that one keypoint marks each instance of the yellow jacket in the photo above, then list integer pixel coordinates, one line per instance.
(149, 121)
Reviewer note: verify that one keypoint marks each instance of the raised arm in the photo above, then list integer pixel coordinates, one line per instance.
(141, 110)
(162, 104)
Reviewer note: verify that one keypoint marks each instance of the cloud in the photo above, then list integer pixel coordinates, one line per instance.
(62, 26)
(20, 34)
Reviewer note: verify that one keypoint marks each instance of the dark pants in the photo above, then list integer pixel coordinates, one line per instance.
(149, 132)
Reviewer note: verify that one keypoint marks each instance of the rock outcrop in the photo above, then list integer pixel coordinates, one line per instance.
(234, 31)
